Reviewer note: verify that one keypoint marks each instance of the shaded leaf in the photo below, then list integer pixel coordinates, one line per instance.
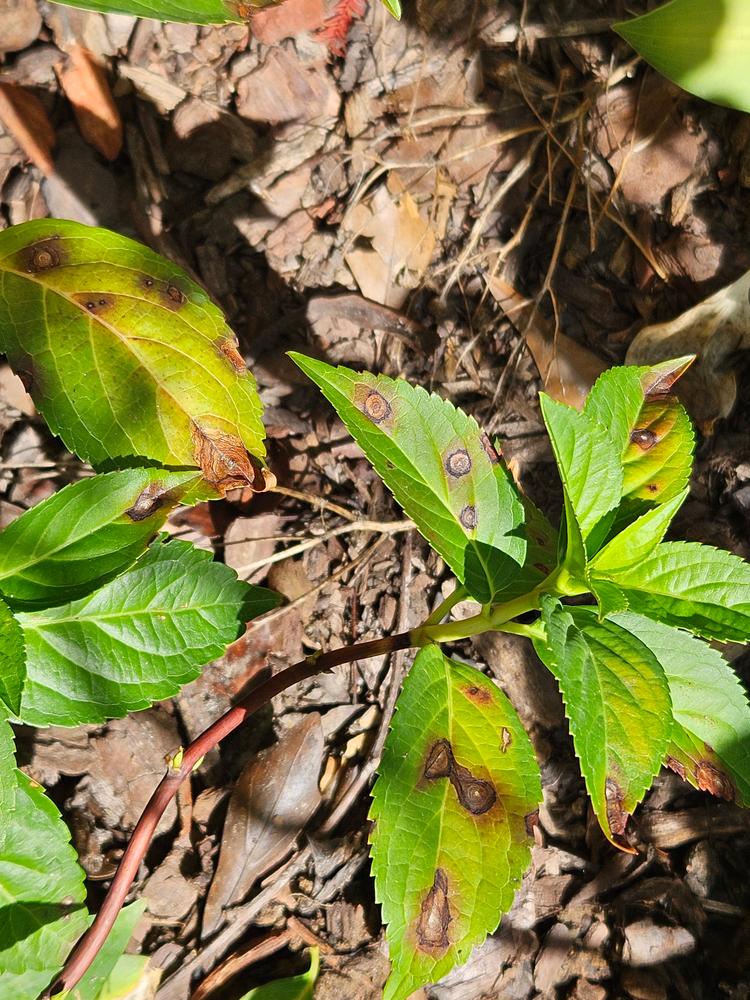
(456, 786)
(702, 45)
(86, 533)
(191, 11)
(136, 640)
(439, 466)
(273, 799)
(41, 894)
(124, 355)
(294, 988)
(85, 85)
(589, 470)
(617, 700)
(710, 745)
(638, 539)
(12, 660)
(692, 586)
(110, 952)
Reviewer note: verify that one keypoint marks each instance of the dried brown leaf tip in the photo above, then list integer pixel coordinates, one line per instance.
(617, 814)
(435, 917)
(476, 795)
(711, 778)
(659, 382)
(225, 462)
(490, 450)
(227, 347)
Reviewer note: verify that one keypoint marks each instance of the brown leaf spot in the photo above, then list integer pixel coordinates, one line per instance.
(489, 449)
(147, 281)
(710, 778)
(42, 256)
(439, 763)
(506, 739)
(478, 694)
(617, 815)
(174, 296)
(643, 438)
(677, 766)
(227, 346)
(476, 795)
(434, 916)
(376, 407)
(468, 517)
(531, 822)
(148, 501)
(458, 463)
(94, 304)
(652, 487)
(224, 461)
(542, 568)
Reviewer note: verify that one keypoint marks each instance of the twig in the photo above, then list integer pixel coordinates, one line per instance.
(88, 946)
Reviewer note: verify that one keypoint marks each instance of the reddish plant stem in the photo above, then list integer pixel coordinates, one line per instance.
(92, 940)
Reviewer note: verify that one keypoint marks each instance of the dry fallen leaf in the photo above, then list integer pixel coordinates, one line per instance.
(568, 370)
(274, 798)
(23, 115)
(715, 329)
(287, 20)
(87, 89)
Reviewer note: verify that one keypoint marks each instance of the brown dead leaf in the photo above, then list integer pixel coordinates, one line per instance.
(715, 330)
(568, 369)
(87, 89)
(274, 798)
(287, 20)
(286, 89)
(23, 115)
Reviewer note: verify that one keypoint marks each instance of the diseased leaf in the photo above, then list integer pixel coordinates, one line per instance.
(12, 660)
(294, 988)
(125, 356)
(456, 786)
(590, 472)
(617, 700)
(86, 533)
(191, 11)
(710, 745)
(439, 466)
(136, 640)
(637, 540)
(273, 799)
(691, 586)
(702, 45)
(110, 952)
(41, 894)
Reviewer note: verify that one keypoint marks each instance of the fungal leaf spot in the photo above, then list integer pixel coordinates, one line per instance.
(643, 438)
(458, 463)
(227, 347)
(435, 917)
(468, 517)
(373, 404)
(476, 795)
(506, 739)
(439, 760)
(42, 256)
(225, 462)
(479, 695)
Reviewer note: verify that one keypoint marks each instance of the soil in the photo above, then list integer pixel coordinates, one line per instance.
(488, 198)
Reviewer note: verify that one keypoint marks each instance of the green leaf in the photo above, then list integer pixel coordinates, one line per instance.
(7, 776)
(710, 744)
(691, 586)
(136, 640)
(393, 7)
(86, 533)
(108, 955)
(589, 470)
(649, 429)
(41, 894)
(294, 988)
(617, 700)
(194, 11)
(12, 660)
(457, 781)
(439, 466)
(126, 358)
(702, 45)
(126, 980)
(637, 540)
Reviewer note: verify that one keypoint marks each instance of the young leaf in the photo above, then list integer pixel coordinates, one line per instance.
(12, 660)
(637, 540)
(130, 979)
(692, 586)
(456, 784)
(117, 941)
(648, 427)
(439, 466)
(136, 640)
(589, 470)
(617, 700)
(299, 987)
(192, 11)
(702, 45)
(86, 533)
(393, 7)
(41, 894)
(710, 745)
(124, 355)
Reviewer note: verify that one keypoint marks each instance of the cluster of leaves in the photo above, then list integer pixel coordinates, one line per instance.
(100, 615)
(137, 372)
(458, 782)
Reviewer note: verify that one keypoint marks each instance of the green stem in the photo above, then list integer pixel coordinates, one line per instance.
(445, 607)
